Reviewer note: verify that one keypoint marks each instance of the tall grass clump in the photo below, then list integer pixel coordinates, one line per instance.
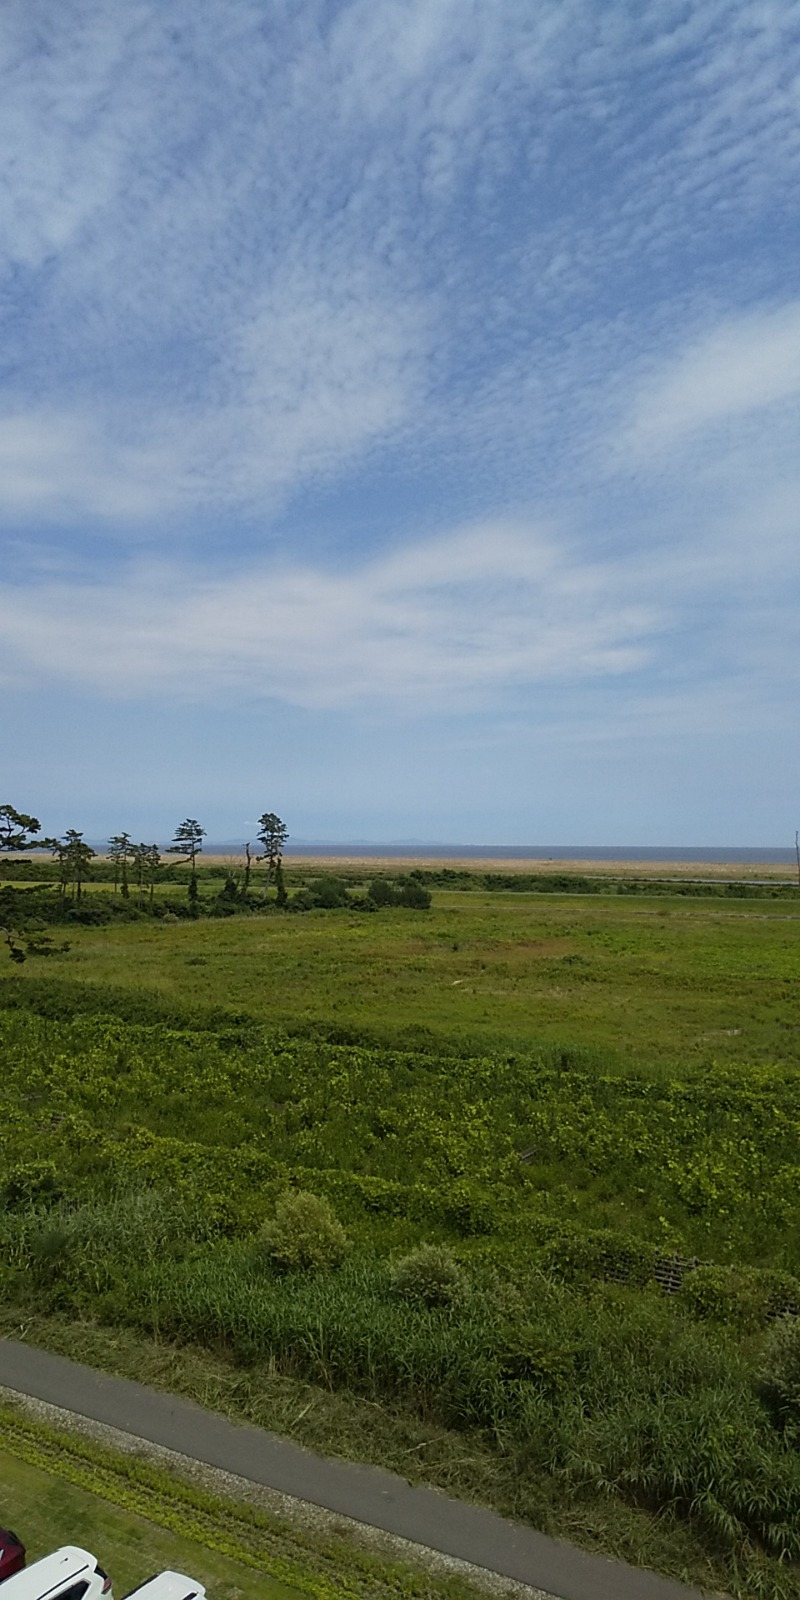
(69, 1253)
(779, 1375)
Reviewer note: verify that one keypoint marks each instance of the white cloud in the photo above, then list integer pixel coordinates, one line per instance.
(744, 366)
(320, 371)
(55, 464)
(444, 625)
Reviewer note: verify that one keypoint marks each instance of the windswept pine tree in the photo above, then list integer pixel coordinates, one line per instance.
(73, 855)
(17, 830)
(188, 843)
(120, 850)
(272, 835)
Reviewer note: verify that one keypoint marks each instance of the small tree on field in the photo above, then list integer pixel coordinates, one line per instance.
(16, 833)
(272, 835)
(188, 843)
(152, 865)
(121, 850)
(281, 896)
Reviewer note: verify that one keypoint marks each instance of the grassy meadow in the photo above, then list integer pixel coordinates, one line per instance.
(649, 980)
(567, 1094)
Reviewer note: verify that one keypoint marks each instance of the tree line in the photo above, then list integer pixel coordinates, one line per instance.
(135, 865)
(136, 868)
(138, 862)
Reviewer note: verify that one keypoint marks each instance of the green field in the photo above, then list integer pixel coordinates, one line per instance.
(656, 979)
(566, 1092)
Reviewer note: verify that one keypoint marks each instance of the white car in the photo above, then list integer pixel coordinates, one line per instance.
(67, 1574)
(167, 1586)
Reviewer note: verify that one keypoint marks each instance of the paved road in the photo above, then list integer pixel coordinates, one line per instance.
(366, 1493)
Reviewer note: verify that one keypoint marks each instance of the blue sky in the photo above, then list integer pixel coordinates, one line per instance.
(399, 418)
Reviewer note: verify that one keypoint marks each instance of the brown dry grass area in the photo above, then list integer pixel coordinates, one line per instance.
(777, 871)
(719, 870)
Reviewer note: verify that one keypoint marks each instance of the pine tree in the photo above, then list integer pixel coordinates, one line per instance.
(16, 830)
(120, 849)
(272, 833)
(188, 842)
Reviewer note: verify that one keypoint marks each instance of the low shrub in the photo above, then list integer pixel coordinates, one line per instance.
(414, 895)
(429, 1276)
(304, 1233)
(302, 900)
(382, 892)
(725, 1295)
(329, 893)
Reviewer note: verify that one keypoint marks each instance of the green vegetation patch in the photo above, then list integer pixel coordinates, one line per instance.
(649, 980)
(516, 1147)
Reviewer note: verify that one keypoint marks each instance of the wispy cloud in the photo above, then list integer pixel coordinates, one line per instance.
(62, 465)
(747, 365)
(282, 246)
(446, 625)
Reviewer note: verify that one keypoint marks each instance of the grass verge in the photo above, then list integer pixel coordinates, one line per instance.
(62, 1487)
(50, 1509)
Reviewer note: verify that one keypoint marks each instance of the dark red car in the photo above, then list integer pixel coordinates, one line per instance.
(12, 1554)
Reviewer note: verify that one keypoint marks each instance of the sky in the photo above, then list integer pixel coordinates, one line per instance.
(400, 418)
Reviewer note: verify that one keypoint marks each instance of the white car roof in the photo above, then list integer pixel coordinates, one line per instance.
(169, 1586)
(45, 1577)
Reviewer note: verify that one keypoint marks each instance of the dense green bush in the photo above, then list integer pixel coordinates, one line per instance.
(429, 1276)
(743, 1297)
(580, 1255)
(304, 1233)
(302, 900)
(329, 892)
(409, 892)
(412, 893)
(382, 893)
